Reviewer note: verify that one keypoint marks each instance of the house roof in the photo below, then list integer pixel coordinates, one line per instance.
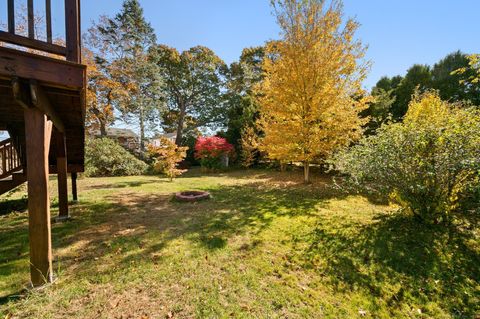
(167, 135)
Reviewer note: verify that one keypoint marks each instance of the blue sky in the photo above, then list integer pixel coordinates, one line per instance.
(399, 33)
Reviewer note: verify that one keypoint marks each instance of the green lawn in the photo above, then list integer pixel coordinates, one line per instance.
(265, 246)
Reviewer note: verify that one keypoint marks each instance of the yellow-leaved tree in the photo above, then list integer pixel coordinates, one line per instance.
(474, 66)
(167, 156)
(103, 91)
(311, 95)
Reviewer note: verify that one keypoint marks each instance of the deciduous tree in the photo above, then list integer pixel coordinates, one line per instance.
(192, 87)
(102, 93)
(210, 151)
(167, 157)
(312, 78)
(470, 75)
(451, 77)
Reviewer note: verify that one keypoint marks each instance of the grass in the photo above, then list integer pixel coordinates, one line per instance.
(265, 246)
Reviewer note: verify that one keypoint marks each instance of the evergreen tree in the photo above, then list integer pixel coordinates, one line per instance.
(243, 109)
(127, 39)
(418, 77)
(451, 84)
(450, 76)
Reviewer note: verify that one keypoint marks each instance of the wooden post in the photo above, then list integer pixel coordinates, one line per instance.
(38, 132)
(62, 176)
(48, 18)
(72, 30)
(74, 187)
(11, 16)
(31, 19)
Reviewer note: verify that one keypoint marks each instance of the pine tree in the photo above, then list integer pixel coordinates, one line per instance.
(127, 38)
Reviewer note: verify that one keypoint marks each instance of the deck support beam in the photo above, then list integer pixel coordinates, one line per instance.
(40, 100)
(38, 130)
(74, 187)
(62, 177)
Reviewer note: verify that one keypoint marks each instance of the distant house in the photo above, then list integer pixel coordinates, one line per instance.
(156, 141)
(125, 137)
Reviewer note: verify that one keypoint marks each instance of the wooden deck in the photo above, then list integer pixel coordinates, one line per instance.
(68, 103)
(42, 106)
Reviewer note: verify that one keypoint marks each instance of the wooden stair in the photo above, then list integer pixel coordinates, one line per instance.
(11, 167)
(9, 183)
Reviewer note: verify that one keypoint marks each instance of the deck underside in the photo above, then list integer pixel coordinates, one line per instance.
(63, 82)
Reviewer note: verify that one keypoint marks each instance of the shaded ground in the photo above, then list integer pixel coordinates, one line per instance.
(265, 246)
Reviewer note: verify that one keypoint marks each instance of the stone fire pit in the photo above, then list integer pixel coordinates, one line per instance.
(192, 196)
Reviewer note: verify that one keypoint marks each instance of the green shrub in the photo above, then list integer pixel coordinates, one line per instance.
(105, 157)
(429, 164)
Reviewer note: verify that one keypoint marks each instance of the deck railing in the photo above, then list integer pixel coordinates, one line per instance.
(71, 50)
(10, 159)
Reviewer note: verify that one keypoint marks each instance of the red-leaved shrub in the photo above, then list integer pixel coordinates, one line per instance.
(211, 150)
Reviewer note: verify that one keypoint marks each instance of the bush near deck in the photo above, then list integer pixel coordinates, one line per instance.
(105, 157)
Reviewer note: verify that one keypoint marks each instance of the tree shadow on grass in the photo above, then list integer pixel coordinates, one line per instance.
(125, 184)
(14, 243)
(13, 205)
(136, 227)
(400, 260)
(393, 258)
(129, 218)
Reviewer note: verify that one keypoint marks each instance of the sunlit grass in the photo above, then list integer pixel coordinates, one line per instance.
(264, 246)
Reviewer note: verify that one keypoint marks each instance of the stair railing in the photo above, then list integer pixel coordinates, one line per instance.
(10, 160)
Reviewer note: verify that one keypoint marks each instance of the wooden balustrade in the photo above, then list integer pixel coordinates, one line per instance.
(10, 159)
(71, 50)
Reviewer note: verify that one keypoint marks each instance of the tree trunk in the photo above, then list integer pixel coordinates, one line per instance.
(103, 128)
(142, 129)
(306, 172)
(181, 120)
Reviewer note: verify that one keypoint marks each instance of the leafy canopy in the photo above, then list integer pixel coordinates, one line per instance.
(453, 77)
(312, 78)
(193, 87)
(240, 97)
(122, 44)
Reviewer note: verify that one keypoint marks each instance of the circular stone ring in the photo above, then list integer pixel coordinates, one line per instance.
(192, 196)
